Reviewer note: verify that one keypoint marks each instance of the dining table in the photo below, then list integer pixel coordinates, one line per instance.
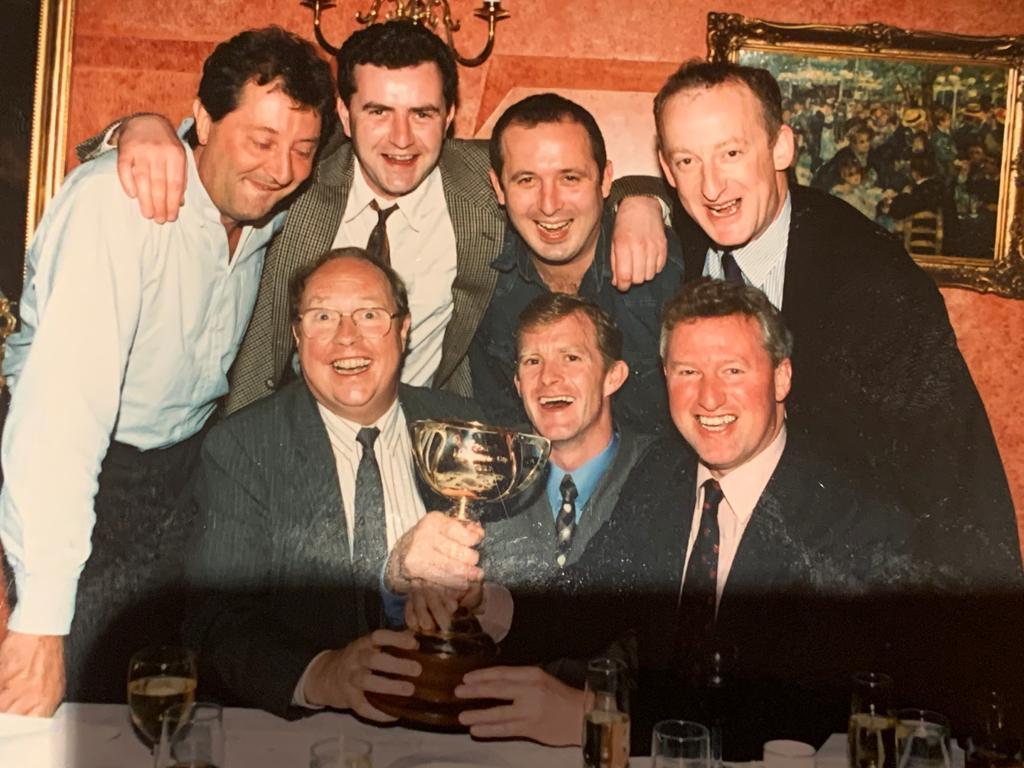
(101, 736)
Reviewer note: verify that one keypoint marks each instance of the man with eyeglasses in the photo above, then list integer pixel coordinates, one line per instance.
(301, 496)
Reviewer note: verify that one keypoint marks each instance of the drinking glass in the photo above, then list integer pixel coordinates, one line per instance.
(341, 752)
(606, 715)
(872, 730)
(922, 737)
(159, 677)
(680, 744)
(191, 736)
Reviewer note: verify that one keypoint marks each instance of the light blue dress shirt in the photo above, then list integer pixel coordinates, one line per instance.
(585, 478)
(763, 260)
(127, 332)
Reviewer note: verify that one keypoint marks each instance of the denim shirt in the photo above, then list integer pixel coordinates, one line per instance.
(642, 403)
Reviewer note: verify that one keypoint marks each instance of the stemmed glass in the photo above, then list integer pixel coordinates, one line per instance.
(341, 752)
(872, 730)
(606, 715)
(159, 677)
(680, 744)
(191, 736)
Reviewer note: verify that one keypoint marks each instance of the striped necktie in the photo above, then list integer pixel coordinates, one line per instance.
(566, 522)
(378, 245)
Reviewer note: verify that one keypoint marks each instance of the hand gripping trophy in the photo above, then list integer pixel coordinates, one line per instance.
(469, 463)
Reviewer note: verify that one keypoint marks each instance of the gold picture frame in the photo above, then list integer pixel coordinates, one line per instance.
(48, 153)
(891, 98)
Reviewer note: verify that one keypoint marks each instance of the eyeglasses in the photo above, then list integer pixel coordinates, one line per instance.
(321, 323)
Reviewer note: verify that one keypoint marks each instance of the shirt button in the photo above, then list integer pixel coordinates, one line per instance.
(269, 383)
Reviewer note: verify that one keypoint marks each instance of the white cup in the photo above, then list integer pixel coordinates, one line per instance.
(784, 753)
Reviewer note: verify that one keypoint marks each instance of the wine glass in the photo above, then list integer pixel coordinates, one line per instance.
(158, 678)
(872, 730)
(191, 736)
(680, 744)
(923, 739)
(606, 715)
(341, 752)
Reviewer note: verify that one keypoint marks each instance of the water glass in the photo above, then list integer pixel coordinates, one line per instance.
(922, 738)
(680, 744)
(341, 752)
(191, 736)
(606, 715)
(159, 677)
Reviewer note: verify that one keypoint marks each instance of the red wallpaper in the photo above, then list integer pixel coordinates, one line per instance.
(135, 55)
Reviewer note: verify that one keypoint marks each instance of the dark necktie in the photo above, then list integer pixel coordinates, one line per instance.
(378, 244)
(733, 273)
(700, 585)
(369, 536)
(566, 522)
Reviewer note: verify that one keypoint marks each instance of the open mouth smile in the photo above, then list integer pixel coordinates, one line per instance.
(715, 423)
(351, 365)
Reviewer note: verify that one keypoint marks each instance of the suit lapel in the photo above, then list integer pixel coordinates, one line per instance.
(479, 225)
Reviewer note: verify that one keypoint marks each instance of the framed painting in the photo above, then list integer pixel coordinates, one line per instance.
(921, 131)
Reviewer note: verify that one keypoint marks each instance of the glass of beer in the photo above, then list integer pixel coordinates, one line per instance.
(191, 736)
(158, 678)
(606, 715)
(341, 752)
(680, 744)
(872, 732)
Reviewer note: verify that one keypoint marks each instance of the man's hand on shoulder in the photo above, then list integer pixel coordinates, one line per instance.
(639, 246)
(439, 550)
(151, 165)
(341, 678)
(31, 674)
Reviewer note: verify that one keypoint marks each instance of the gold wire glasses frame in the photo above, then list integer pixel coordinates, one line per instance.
(370, 322)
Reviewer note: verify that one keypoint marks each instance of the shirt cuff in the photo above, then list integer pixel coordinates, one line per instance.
(394, 605)
(496, 617)
(299, 694)
(666, 212)
(46, 605)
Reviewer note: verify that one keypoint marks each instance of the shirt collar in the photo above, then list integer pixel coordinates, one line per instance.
(585, 477)
(343, 431)
(419, 208)
(761, 255)
(743, 486)
(196, 196)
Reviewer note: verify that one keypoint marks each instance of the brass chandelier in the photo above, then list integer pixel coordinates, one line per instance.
(425, 12)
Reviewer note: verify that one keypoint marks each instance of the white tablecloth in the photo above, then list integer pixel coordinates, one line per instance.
(100, 736)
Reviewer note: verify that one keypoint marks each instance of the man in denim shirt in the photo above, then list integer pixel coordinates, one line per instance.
(550, 170)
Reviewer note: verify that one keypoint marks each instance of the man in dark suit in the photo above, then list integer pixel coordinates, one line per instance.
(881, 380)
(398, 87)
(300, 498)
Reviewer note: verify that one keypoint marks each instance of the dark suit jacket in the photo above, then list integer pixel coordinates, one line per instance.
(878, 377)
(271, 565)
(796, 617)
(310, 229)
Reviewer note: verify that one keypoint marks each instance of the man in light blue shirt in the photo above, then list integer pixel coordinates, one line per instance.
(128, 331)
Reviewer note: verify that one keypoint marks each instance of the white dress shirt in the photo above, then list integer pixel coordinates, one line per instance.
(742, 488)
(422, 241)
(127, 332)
(763, 260)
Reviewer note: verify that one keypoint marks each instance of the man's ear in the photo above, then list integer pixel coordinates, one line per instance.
(343, 116)
(606, 179)
(404, 331)
(666, 169)
(784, 148)
(203, 121)
(496, 184)
(783, 380)
(448, 118)
(615, 377)
(515, 380)
(295, 334)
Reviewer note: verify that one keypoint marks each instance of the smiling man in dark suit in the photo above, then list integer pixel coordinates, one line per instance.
(881, 384)
(302, 495)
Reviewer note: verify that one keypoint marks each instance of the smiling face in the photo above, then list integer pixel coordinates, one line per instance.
(725, 395)
(566, 387)
(716, 152)
(397, 120)
(352, 376)
(553, 191)
(257, 154)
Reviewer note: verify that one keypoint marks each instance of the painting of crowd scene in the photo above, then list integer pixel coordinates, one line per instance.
(915, 146)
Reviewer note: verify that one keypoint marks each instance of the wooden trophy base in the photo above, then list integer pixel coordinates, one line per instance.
(444, 658)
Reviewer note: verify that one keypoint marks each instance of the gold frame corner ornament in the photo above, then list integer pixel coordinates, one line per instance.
(48, 152)
(730, 33)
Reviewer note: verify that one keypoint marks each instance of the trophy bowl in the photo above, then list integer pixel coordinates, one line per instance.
(470, 464)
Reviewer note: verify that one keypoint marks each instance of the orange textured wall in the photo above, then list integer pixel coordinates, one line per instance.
(133, 55)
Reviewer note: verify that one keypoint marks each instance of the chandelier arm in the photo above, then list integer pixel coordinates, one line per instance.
(492, 14)
(316, 5)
